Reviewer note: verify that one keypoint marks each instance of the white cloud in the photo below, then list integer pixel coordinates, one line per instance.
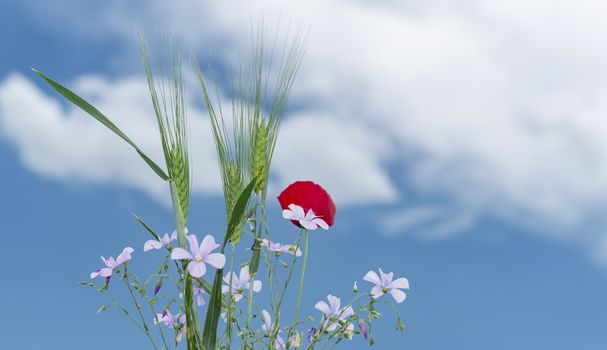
(346, 158)
(495, 109)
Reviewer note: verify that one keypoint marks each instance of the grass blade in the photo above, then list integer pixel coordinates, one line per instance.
(239, 209)
(154, 234)
(209, 335)
(95, 113)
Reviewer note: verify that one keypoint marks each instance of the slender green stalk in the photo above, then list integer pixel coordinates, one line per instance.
(137, 306)
(229, 310)
(192, 322)
(125, 311)
(158, 324)
(301, 279)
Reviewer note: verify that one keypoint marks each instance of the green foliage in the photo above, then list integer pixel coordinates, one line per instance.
(209, 335)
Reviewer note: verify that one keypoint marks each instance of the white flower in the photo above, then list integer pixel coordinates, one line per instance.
(307, 220)
(237, 284)
(386, 285)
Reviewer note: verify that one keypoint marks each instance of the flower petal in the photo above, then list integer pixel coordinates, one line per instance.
(166, 240)
(386, 278)
(280, 343)
(194, 247)
(230, 278)
(199, 299)
(95, 273)
(401, 283)
(335, 302)
(151, 244)
(244, 275)
(308, 225)
(217, 260)
(347, 312)
(105, 272)
(196, 268)
(331, 327)
(309, 216)
(323, 307)
(237, 296)
(398, 295)
(256, 286)
(124, 256)
(377, 292)
(181, 254)
(289, 214)
(298, 211)
(320, 223)
(208, 245)
(372, 277)
(267, 321)
(109, 262)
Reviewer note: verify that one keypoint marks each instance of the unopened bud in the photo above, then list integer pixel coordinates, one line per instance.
(355, 288)
(157, 287)
(361, 326)
(400, 325)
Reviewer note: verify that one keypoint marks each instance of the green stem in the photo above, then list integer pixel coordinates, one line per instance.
(192, 323)
(128, 314)
(301, 279)
(158, 324)
(137, 306)
(229, 310)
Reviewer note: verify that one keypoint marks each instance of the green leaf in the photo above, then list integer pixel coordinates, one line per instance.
(154, 234)
(239, 210)
(209, 335)
(95, 113)
(254, 263)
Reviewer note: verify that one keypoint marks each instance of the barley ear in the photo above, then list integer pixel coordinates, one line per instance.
(234, 188)
(261, 161)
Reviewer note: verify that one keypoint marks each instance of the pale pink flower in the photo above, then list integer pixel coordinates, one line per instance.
(268, 326)
(177, 322)
(280, 248)
(112, 264)
(199, 255)
(198, 293)
(162, 243)
(385, 284)
(332, 310)
(238, 284)
(307, 220)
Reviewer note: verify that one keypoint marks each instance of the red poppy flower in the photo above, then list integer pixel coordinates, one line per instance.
(309, 196)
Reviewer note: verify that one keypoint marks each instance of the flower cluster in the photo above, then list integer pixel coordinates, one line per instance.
(311, 208)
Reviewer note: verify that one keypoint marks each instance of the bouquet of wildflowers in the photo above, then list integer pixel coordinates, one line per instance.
(229, 290)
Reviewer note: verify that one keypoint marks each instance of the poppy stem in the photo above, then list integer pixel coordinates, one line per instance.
(301, 279)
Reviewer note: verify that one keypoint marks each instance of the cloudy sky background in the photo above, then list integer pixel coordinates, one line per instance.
(463, 142)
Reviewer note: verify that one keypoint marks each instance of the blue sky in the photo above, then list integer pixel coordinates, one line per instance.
(466, 153)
